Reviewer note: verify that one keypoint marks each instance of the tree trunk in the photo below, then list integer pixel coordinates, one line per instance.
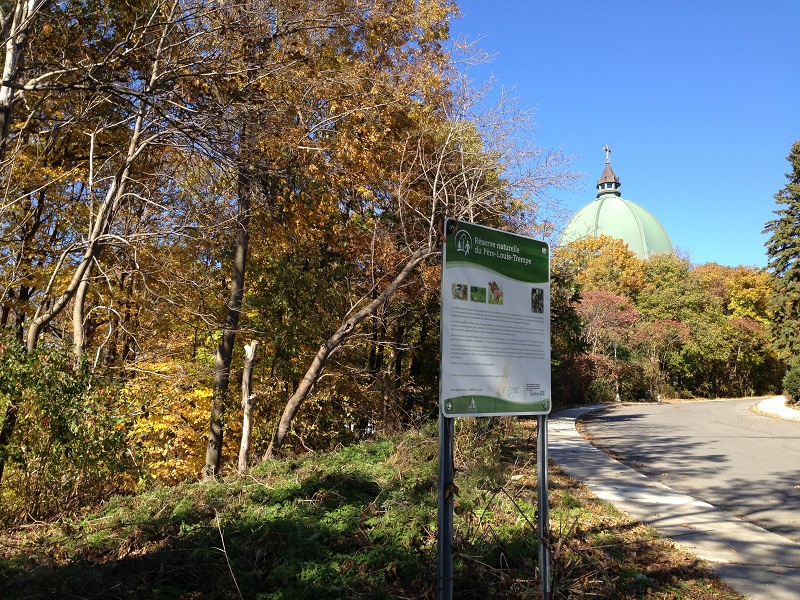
(247, 405)
(114, 326)
(115, 196)
(78, 309)
(9, 422)
(16, 26)
(47, 313)
(19, 315)
(399, 351)
(415, 368)
(130, 320)
(5, 310)
(331, 344)
(391, 375)
(224, 352)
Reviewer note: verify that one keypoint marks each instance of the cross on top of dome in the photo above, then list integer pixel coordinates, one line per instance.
(608, 182)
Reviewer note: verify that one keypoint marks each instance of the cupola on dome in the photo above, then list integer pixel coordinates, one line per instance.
(610, 214)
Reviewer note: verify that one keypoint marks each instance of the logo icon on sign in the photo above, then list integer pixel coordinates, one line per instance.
(463, 242)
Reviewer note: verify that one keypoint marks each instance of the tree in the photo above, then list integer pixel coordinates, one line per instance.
(607, 319)
(752, 363)
(672, 290)
(607, 326)
(16, 23)
(604, 263)
(460, 160)
(743, 291)
(103, 103)
(783, 254)
(658, 341)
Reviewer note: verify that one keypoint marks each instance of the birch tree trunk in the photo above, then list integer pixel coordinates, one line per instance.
(247, 405)
(16, 22)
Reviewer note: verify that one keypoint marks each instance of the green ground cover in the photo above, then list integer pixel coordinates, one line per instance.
(357, 523)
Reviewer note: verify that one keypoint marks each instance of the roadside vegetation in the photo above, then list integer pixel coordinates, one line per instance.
(358, 522)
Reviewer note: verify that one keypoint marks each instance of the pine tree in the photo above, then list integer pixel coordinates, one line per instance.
(783, 252)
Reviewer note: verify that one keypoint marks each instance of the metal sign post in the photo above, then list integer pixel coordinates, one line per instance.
(444, 536)
(543, 505)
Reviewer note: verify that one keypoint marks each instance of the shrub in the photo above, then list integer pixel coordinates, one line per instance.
(602, 390)
(68, 446)
(169, 403)
(791, 383)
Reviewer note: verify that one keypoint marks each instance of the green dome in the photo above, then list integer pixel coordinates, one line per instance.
(617, 217)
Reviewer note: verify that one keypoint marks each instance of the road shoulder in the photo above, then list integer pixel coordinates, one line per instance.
(776, 407)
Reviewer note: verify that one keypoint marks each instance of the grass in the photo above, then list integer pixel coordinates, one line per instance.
(357, 523)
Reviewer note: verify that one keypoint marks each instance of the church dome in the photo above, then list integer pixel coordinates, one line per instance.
(610, 214)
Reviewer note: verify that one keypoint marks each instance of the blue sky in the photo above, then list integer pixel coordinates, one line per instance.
(699, 102)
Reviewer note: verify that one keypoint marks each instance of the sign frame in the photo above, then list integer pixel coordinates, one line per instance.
(495, 323)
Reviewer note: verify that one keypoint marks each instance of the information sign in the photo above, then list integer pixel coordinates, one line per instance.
(495, 323)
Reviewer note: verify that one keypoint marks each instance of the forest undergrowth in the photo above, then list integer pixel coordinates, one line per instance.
(356, 523)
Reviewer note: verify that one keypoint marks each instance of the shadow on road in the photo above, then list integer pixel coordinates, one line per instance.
(749, 480)
(634, 442)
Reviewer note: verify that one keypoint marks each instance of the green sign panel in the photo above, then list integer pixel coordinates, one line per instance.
(495, 323)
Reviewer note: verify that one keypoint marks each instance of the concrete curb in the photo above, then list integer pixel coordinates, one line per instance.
(755, 562)
(776, 407)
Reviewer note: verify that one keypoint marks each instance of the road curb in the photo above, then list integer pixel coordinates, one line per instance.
(776, 407)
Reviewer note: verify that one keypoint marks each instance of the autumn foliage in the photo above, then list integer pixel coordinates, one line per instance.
(662, 327)
(180, 178)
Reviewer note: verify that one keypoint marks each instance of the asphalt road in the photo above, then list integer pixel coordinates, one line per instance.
(721, 452)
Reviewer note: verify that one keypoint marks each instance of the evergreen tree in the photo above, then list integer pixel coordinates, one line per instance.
(783, 251)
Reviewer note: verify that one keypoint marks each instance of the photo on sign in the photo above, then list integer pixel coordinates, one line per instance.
(537, 300)
(459, 291)
(496, 297)
(477, 293)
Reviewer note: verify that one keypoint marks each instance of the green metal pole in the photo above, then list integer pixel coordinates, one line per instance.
(444, 538)
(543, 505)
